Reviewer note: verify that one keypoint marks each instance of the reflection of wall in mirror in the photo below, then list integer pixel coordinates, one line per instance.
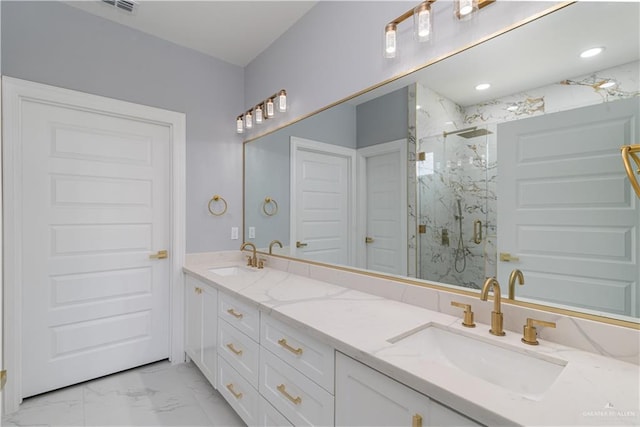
(439, 187)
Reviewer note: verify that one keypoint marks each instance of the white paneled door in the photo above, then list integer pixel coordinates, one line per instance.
(94, 192)
(383, 180)
(566, 211)
(322, 201)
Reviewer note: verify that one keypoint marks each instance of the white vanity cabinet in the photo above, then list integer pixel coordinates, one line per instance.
(296, 374)
(365, 397)
(201, 325)
(239, 357)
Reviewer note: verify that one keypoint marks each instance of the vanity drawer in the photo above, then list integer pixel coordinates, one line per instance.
(294, 395)
(240, 351)
(240, 315)
(268, 416)
(243, 398)
(314, 359)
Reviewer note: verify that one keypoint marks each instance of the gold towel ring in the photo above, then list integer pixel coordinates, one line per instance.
(217, 198)
(268, 201)
(629, 152)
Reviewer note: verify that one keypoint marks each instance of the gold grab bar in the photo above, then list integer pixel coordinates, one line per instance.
(268, 201)
(217, 198)
(477, 231)
(630, 152)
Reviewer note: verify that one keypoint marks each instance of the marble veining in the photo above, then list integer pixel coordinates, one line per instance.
(159, 394)
(352, 316)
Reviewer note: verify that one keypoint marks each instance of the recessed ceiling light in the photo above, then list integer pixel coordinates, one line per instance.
(418, 107)
(483, 86)
(512, 108)
(591, 52)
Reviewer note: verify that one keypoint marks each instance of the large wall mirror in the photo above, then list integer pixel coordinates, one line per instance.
(428, 178)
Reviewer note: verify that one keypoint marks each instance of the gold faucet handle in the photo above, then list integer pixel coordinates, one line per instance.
(250, 261)
(468, 314)
(530, 333)
(261, 263)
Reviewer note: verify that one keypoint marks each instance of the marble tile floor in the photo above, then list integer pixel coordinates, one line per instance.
(159, 394)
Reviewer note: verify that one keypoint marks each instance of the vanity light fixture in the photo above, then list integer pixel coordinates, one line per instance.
(589, 53)
(262, 111)
(423, 21)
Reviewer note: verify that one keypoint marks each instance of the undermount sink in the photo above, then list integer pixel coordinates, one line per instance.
(527, 374)
(230, 271)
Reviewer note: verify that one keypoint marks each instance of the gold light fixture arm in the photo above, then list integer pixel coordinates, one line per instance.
(631, 152)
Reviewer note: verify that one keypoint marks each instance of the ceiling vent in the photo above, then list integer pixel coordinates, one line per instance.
(129, 6)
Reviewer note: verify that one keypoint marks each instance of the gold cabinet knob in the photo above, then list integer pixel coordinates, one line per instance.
(530, 333)
(468, 314)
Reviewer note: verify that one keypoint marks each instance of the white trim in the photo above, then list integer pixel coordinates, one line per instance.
(302, 144)
(14, 91)
(400, 146)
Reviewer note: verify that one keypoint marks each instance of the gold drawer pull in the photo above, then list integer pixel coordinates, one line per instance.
(417, 421)
(283, 390)
(234, 313)
(236, 395)
(233, 349)
(198, 291)
(296, 351)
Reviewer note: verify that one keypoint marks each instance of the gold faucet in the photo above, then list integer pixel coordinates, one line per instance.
(252, 261)
(274, 242)
(515, 274)
(529, 332)
(496, 314)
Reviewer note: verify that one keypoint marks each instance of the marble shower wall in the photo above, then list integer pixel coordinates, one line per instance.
(456, 168)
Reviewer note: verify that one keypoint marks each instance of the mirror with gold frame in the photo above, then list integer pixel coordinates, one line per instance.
(428, 179)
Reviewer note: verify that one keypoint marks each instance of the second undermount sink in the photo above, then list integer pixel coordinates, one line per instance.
(234, 270)
(527, 374)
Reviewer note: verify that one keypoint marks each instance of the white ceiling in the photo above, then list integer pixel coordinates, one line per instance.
(234, 31)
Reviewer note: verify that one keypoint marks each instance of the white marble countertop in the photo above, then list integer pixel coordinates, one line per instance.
(590, 390)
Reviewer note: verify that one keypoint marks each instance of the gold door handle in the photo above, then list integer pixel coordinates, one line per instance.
(235, 314)
(234, 350)
(282, 389)
(283, 343)
(416, 421)
(507, 257)
(368, 239)
(300, 245)
(160, 254)
(236, 395)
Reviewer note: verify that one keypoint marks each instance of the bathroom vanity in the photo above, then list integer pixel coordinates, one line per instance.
(287, 349)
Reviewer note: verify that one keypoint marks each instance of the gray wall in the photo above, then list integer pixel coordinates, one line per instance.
(56, 44)
(383, 119)
(335, 50)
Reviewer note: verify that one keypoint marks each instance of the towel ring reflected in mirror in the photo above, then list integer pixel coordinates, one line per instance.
(630, 152)
(214, 199)
(270, 206)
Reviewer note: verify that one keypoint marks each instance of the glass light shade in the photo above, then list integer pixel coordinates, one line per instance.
(282, 101)
(465, 9)
(239, 125)
(422, 22)
(258, 113)
(269, 111)
(248, 120)
(390, 46)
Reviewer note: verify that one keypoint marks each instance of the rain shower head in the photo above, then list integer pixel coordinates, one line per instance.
(469, 132)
